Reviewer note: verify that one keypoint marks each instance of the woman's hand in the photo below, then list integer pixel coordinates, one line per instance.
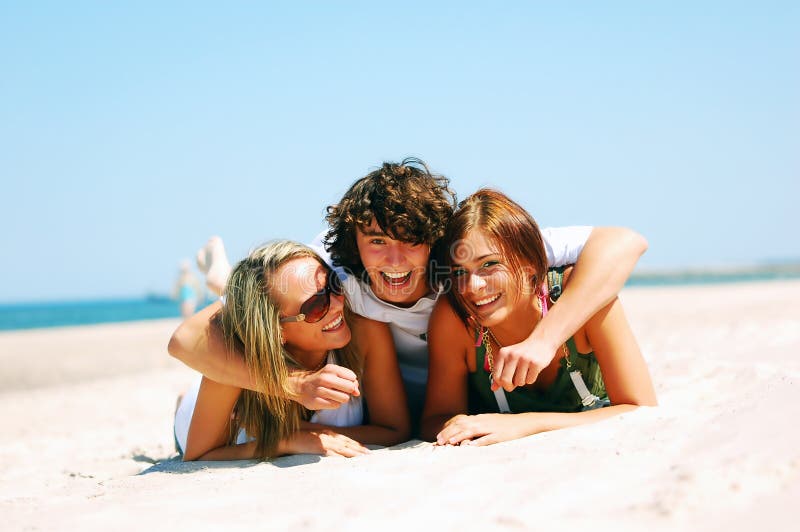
(325, 442)
(484, 429)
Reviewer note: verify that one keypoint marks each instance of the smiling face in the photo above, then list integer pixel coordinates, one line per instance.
(397, 270)
(486, 286)
(294, 283)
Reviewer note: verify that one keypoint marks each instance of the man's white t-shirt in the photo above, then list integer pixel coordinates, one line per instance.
(409, 326)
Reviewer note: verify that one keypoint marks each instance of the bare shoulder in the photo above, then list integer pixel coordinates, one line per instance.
(368, 333)
(446, 325)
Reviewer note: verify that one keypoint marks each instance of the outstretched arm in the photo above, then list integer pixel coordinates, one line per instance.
(211, 425)
(625, 375)
(606, 262)
(199, 343)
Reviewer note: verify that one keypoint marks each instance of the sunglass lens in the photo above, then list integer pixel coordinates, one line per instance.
(316, 306)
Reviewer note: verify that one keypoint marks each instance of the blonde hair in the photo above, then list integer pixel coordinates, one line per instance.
(250, 321)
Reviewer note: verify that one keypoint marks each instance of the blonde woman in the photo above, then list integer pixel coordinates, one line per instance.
(285, 311)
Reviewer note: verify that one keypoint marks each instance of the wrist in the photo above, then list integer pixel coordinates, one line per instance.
(544, 336)
(294, 383)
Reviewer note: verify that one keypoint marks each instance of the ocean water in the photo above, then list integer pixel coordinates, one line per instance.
(712, 277)
(58, 314)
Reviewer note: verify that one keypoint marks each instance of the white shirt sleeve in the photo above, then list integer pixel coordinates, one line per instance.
(319, 247)
(564, 244)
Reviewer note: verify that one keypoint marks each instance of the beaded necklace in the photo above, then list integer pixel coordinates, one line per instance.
(486, 334)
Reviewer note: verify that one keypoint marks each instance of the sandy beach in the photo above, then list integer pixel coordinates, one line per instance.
(87, 440)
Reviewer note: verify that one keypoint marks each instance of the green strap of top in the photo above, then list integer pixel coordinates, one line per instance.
(560, 396)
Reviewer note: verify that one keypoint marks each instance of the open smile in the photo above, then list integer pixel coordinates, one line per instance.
(335, 324)
(487, 303)
(396, 279)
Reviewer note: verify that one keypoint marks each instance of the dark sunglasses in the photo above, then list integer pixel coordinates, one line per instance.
(316, 307)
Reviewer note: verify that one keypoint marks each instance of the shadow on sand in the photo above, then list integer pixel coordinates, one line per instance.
(175, 465)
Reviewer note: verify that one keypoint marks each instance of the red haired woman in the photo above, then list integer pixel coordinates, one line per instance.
(500, 291)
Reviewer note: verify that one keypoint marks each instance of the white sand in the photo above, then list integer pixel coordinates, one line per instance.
(87, 443)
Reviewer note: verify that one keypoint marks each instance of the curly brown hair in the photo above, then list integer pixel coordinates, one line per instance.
(407, 201)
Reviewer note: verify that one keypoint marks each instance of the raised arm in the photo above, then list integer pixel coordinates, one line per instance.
(603, 266)
(199, 343)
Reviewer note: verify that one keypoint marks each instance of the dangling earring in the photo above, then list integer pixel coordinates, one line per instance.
(536, 291)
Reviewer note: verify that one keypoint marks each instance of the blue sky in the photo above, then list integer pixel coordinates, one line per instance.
(131, 131)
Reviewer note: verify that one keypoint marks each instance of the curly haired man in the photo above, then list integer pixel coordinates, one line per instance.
(380, 238)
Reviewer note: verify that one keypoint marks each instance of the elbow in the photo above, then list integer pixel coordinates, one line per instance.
(637, 242)
(650, 401)
(191, 455)
(403, 434)
(645, 400)
(178, 345)
(175, 346)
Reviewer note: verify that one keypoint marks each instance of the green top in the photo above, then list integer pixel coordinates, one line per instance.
(561, 396)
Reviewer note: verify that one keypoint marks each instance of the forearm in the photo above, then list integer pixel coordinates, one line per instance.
(247, 451)
(198, 342)
(366, 434)
(603, 267)
(244, 451)
(535, 422)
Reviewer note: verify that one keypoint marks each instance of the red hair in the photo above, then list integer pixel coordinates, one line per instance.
(506, 224)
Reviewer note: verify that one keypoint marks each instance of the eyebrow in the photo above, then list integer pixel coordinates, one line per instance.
(478, 259)
(372, 232)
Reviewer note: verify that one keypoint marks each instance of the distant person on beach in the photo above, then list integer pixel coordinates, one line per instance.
(284, 311)
(380, 236)
(500, 290)
(187, 290)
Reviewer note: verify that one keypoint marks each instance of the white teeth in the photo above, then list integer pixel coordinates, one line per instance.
(487, 300)
(335, 323)
(395, 275)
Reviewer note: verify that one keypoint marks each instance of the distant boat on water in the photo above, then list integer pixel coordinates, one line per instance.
(155, 297)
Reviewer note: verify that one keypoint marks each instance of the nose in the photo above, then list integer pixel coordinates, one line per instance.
(476, 283)
(337, 303)
(394, 255)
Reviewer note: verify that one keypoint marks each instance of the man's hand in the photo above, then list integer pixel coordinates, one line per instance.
(325, 389)
(520, 364)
